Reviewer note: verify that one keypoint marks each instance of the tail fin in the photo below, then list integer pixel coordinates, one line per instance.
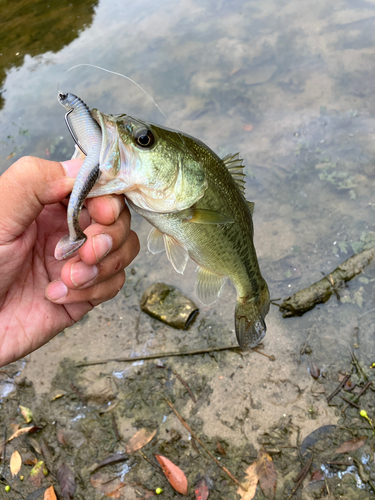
(249, 319)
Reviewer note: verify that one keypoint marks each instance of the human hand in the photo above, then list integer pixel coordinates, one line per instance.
(40, 296)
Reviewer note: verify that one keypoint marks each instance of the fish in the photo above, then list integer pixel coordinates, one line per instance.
(195, 202)
(90, 141)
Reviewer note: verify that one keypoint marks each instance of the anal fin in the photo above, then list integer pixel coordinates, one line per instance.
(209, 286)
(155, 241)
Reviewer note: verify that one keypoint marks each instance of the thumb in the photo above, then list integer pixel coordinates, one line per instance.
(27, 186)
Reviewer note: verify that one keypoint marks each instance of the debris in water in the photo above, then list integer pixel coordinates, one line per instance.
(67, 481)
(139, 440)
(174, 475)
(58, 394)
(351, 445)
(250, 485)
(26, 413)
(321, 291)
(24, 430)
(108, 485)
(301, 476)
(267, 474)
(50, 494)
(15, 463)
(112, 459)
(314, 371)
(167, 304)
(37, 473)
(201, 490)
(220, 448)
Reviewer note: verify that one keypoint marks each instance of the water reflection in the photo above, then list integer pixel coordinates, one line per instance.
(32, 28)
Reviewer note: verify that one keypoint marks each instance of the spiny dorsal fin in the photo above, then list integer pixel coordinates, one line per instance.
(233, 162)
(251, 206)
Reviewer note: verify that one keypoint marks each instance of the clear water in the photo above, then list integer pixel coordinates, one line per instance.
(289, 84)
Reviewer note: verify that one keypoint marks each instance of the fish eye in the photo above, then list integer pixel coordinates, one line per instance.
(144, 138)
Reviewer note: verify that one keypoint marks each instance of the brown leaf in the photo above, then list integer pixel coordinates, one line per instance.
(317, 476)
(50, 494)
(67, 481)
(24, 430)
(58, 394)
(201, 490)
(250, 484)
(37, 473)
(11, 155)
(220, 448)
(139, 440)
(267, 474)
(108, 485)
(174, 475)
(61, 437)
(112, 459)
(15, 463)
(351, 445)
(34, 443)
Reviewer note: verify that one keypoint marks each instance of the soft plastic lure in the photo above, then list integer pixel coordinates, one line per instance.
(81, 125)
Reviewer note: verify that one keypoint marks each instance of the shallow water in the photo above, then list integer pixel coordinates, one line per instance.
(289, 85)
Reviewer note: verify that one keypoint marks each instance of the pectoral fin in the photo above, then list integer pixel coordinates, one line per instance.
(155, 241)
(209, 286)
(176, 253)
(201, 216)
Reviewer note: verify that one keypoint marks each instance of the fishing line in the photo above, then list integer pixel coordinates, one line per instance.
(127, 78)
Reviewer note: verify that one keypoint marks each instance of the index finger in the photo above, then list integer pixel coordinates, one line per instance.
(106, 209)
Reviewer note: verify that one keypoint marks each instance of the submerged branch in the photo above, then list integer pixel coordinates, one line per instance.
(321, 291)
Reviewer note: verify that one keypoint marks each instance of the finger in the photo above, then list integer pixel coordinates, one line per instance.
(78, 275)
(95, 294)
(26, 187)
(104, 239)
(106, 209)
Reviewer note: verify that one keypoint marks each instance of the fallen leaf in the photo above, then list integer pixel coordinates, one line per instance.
(247, 127)
(58, 394)
(317, 476)
(351, 445)
(267, 474)
(62, 437)
(37, 473)
(29, 458)
(220, 448)
(139, 440)
(15, 463)
(250, 484)
(112, 459)
(50, 494)
(108, 485)
(24, 430)
(26, 413)
(201, 490)
(34, 443)
(10, 156)
(174, 475)
(67, 481)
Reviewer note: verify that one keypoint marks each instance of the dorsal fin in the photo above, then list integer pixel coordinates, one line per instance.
(233, 162)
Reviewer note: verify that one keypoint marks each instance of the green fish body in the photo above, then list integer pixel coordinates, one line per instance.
(196, 205)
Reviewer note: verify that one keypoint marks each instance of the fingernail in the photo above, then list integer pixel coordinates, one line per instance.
(102, 244)
(81, 273)
(56, 290)
(72, 167)
(117, 206)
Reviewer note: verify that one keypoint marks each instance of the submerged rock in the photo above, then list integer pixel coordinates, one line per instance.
(167, 304)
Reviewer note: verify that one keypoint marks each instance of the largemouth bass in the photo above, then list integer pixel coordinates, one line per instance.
(196, 205)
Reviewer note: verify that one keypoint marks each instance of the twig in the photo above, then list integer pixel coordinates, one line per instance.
(79, 394)
(350, 402)
(301, 476)
(357, 365)
(151, 463)
(272, 357)
(2, 457)
(338, 389)
(185, 424)
(156, 356)
(339, 463)
(364, 389)
(185, 385)
(115, 428)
